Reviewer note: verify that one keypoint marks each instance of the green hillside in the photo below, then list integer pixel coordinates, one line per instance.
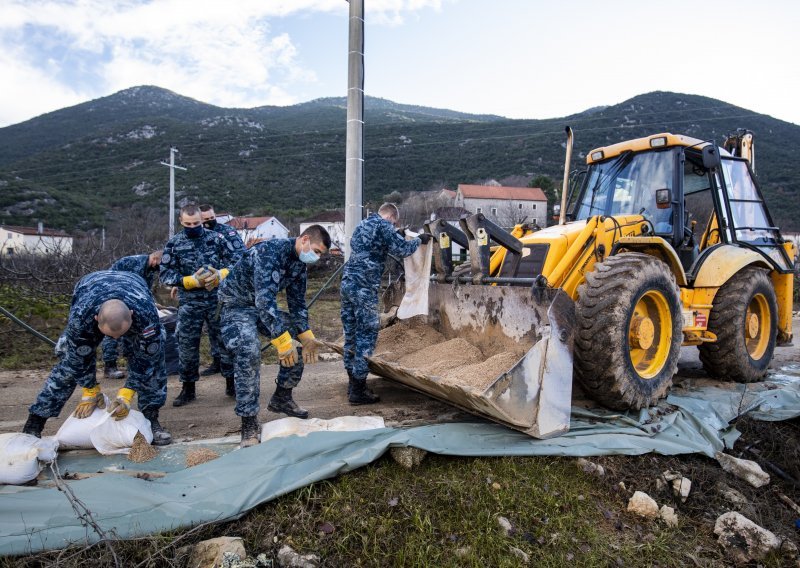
(81, 166)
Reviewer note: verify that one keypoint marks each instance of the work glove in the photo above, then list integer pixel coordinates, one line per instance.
(402, 231)
(425, 238)
(173, 292)
(310, 347)
(287, 351)
(91, 398)
(196, 280)
(121, 406)
(215, 277)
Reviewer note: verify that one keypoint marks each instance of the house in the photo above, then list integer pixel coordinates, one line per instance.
(331, 221)
(505, 206)
(33, 240)
(250, 228)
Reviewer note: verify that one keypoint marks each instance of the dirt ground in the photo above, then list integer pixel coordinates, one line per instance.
(323, 391)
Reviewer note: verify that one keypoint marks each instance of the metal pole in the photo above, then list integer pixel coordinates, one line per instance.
(172, 168)
(354, 165)
(562, 214)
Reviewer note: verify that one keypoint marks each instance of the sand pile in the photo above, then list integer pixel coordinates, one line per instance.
(200, 455)
(141, 451)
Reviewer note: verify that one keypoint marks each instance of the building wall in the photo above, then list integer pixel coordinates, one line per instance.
(335, 230)
(506, 213)
(16, 243)
(267, 230)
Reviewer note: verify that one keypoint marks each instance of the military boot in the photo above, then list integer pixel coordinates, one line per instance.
(230, 387)
(249, 431)
(360, 394)
(34, 425)
(350, 380)
(110, 371)
(186, 395)
(160, 436)
(212, 369)
(282, 402)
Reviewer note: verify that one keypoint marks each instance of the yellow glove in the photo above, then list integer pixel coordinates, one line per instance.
(122, 405)
(287, 352)
(212, 280)
(196, 279)
(223, 274)
(310, 347)
(92, 398)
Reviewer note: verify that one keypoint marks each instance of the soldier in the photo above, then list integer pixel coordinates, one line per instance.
(145, 266)
(195, 260)
(210, 222)
(249, 307)
(113, 304)
(373, 240)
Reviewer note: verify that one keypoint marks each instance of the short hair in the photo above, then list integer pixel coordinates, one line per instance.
(189, 209)
(389, 209)
(114, 315)
(206, 207)
(318, 234)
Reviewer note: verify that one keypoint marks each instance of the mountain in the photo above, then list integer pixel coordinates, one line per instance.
(79, 167)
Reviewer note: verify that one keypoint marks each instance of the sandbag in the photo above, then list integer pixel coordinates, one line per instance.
(116, 436)
(74, 432)
(296, 427)
(22, 457)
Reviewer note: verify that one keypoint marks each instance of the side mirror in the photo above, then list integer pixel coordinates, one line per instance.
(663, 198)
(711, 159)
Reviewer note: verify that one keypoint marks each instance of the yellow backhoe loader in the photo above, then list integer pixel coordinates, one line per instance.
(666, 242)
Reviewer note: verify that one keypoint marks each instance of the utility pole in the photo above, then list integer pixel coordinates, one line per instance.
(354, 165)
(172, 167)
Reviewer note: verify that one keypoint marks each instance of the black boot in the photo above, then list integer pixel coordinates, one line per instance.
(350, 380)
(360, 394)
(34, 425)
(160, 436)
(110, 371)
(212, 369)
(249, 431)
(282, 402)
(186, 395)
(230, 388)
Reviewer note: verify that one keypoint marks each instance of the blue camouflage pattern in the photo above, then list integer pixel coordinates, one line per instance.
(233, 238)
(372, 242)
(249, 308)
(77, 364)
(137, 264)
(183, 256)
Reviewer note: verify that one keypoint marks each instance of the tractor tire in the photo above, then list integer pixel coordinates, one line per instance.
(629, 331)
(744, 319)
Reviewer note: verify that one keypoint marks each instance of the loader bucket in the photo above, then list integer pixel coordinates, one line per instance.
(500, 352)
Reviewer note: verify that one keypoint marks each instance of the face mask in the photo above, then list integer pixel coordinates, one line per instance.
(210, 224)
(309, 256)
(193, 232)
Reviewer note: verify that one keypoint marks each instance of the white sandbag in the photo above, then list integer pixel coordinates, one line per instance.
(417, 274)
(74, 433)
(297, 427)
(22, 457)
(116, 436)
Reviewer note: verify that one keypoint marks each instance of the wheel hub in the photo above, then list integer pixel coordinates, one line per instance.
(753, 326)
(643, 332)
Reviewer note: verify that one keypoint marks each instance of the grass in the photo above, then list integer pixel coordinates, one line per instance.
(18, 348)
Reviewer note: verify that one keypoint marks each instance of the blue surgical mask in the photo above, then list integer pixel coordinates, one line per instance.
(309, 256)
(193, 232)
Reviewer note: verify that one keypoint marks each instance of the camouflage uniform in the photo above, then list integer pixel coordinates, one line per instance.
(137, 264)
(236, 242)
(183, 256)
(249, 307)
(373, 240)
(146, 372)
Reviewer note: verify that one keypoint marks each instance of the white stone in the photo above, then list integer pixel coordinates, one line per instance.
(643, 505)
(591, 467)
(733, 496)
(748, 470)
(211, 553)
(742, 539)
(668, 515)
(522, 555)
(505, 525)
(289, 558)
(407, 456)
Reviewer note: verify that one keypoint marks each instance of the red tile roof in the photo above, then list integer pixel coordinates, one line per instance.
(499, 192)
(34, 231)
(240, 223)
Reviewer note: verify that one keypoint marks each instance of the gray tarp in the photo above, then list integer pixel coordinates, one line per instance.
(694, 419)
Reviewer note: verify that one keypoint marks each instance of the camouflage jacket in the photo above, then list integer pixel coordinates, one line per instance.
(264, 270)
(137, 264)
(233, 238)
(183, 256)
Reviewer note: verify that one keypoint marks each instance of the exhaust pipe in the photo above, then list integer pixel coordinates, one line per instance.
(562, 215)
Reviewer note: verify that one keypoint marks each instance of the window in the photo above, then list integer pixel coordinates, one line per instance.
(520, 206)
(479, 210)
(494, 210)
(534, 206)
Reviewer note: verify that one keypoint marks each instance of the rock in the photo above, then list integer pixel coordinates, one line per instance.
(681, 486)
(621, 486)
(748, 470)
(212, 553)
(463, 552)
(643, 505)
(505, 526)
(742, 539)
(407, 456)
(591, 468)
(329, 356)
(734, 497)
(668, 515)
(289, 558)
(522, 555)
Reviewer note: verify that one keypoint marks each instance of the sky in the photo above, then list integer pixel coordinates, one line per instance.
(514, 58)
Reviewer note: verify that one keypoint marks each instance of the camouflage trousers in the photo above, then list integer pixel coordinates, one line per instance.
(111, 349)
(240, 334)
(361, 324)
(191, 316)
(150, 386)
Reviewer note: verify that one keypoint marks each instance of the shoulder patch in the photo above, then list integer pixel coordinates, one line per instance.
(149, 331)
(84, 350)
(165, 258)
(153, 347)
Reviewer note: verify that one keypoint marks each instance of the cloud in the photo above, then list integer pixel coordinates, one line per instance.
(222, 53)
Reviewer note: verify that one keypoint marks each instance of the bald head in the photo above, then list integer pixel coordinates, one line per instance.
(114, 318)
